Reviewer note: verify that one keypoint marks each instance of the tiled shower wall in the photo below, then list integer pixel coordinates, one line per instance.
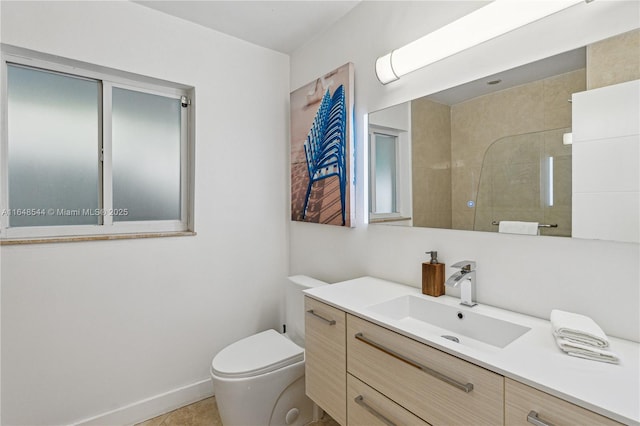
(449, 170)
(478, 123)
(614, 60)
(431, 163)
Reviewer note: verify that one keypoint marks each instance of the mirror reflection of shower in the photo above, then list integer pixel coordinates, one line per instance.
(526, 178)
(449, 132)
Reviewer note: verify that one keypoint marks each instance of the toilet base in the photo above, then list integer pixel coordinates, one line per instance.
(275, 398)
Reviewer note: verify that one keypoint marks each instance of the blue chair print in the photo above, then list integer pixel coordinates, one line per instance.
(325, 146)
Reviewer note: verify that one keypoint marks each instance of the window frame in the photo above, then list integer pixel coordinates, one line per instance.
(402, 215)
(108, 79)
(374, 215)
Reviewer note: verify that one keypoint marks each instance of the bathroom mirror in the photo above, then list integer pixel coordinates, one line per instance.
(495, 149)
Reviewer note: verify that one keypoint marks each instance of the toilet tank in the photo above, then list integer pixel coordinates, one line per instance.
(294, 305)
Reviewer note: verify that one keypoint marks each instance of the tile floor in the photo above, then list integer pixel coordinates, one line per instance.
(205, 413)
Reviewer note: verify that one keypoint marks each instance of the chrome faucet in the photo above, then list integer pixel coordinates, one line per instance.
(466, 280)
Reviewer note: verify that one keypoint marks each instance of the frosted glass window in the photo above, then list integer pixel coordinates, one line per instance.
(91, 151)
(385, 173)
(53, 133)
(146, 156)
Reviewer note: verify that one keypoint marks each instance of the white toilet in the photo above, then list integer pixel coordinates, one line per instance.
(259, 380)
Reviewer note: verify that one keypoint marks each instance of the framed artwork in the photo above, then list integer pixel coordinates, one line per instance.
(322, 149)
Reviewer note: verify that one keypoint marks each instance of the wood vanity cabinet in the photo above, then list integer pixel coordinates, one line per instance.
(368, 407)
(363, 374)
(525, 405)
(325, 358)
(437, 387)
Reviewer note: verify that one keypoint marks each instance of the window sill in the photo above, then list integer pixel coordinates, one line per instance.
(389, 219)
(75, 239)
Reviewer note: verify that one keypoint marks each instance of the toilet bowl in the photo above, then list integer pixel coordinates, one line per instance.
(259, 380)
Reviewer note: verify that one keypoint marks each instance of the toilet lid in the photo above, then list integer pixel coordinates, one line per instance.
(257, 354)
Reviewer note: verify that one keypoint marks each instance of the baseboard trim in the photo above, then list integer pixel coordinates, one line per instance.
(151, 407)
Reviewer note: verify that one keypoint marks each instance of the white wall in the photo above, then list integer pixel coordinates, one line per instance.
(396, 117)
(521, 273)
(92, 327)
(606, 163)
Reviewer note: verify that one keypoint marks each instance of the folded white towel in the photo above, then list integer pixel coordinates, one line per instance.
(578, 328)
(586, 351)
(514, 227)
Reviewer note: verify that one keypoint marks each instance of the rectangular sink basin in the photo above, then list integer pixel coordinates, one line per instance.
(454, 322)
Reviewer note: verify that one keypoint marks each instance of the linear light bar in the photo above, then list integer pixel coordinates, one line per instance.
(490, 21)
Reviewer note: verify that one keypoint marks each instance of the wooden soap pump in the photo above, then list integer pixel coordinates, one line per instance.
(433, 276)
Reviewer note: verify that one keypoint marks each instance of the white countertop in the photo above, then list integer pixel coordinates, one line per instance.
(612, 390)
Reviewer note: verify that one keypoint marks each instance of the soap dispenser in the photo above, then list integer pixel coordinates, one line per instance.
(433, 276)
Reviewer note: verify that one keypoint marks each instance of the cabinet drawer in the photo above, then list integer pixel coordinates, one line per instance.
(325, 358)
(521, 400)
(391, 363)
(366, 407)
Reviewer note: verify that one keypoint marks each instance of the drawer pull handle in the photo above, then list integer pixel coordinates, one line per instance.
(533, 418)
(466, 387)
(360, 401)
(328, 321)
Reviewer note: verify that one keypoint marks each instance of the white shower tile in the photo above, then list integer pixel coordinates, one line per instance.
(607, 112)
(607, 165)
(607, 216)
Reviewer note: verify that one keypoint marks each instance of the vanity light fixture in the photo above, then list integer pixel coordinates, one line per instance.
(496, 18)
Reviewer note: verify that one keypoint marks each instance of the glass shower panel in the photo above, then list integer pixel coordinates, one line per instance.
(146, 156)
(385, 173)
(53, 130)
(527, 178)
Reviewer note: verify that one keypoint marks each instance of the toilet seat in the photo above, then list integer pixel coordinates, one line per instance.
(257, 354)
